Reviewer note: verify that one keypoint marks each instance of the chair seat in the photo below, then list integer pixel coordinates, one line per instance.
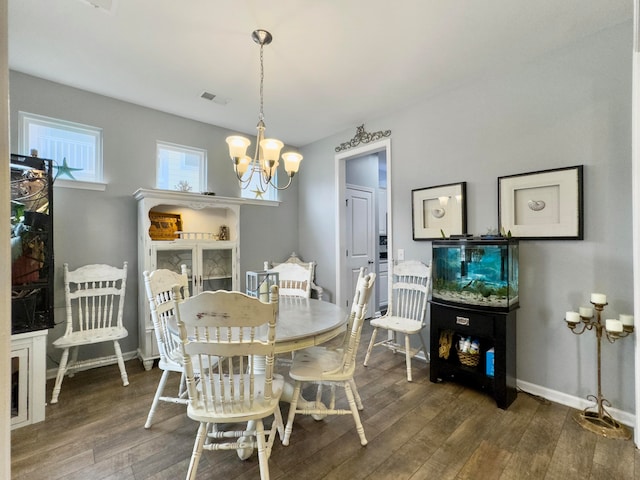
(93, 336)
(172, 362)
(399, 324)
(239, 413)
(319, 363)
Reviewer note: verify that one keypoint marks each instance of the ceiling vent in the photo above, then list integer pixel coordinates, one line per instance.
(108, 6)
(213, 97)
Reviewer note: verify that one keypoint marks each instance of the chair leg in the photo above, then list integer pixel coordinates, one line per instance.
(373, 340)
(156, 398)
(123, 372)
(62, 369)
(182, 390)
(279, 423)
(407, 350)
(332, 401)
(197, 451)
(263, 459)
(292, 413)
(356, 395)
(354, 412)
(73, 361)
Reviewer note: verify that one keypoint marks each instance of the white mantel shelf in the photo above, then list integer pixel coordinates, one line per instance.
(204, 200)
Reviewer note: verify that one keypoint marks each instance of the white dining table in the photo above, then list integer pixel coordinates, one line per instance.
(303, 323)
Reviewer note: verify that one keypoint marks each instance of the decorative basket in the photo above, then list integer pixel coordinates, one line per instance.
(468, 359)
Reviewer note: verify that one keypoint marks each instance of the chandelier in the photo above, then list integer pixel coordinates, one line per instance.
(265, 159)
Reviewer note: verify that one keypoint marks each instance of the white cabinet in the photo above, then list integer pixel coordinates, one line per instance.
(383, 285)
(28, 377)
(212, 263)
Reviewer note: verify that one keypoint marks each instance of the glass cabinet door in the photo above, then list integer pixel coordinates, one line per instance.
(173, 258)
(217, 269)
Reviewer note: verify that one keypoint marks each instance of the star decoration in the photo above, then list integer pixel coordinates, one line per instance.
(259, 193)
(65, 169)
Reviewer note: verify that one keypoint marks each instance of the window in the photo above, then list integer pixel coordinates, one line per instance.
(257, 185)
(179, 167)
(75, 149)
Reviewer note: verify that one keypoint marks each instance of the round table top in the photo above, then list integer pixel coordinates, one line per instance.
(305, 322)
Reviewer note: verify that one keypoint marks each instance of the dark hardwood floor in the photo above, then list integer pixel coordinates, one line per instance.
(417, 430)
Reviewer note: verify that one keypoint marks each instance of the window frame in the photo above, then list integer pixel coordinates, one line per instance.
(26, 119)
(184, 149)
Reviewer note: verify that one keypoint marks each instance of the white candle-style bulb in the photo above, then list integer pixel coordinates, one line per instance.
(573, 317)
(613, 325)
(626, 320)
(598, 298)
(237, 146)
(586, 312)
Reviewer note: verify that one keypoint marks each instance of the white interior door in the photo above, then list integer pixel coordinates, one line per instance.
(360, 236)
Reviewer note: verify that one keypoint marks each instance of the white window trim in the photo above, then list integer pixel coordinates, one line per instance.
(68, 183)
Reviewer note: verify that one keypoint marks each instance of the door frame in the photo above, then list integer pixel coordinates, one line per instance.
(635, 191)
(340, 183)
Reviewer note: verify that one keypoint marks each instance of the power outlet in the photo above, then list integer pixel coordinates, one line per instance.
(401, 254)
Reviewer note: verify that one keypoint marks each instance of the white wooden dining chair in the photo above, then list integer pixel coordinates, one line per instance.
(241, 387)
(333, 367)
(159, 286)
(406, 313)
(296, 278)
(94, 303)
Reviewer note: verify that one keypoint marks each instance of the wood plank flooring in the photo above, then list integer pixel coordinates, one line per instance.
(417, 430)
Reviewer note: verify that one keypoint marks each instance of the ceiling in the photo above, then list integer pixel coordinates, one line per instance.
(332, 65)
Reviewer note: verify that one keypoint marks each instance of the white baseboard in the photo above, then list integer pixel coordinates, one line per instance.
(621, 416)
(100, 362)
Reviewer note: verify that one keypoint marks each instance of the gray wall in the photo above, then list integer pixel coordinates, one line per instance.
(572, 107)
(100, 227)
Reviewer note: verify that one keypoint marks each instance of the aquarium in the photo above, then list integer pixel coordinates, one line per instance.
(478, 272)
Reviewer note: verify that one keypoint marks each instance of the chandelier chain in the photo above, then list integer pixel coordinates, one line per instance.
(261, 114)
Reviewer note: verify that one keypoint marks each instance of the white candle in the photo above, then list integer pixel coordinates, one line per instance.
(626, 320)
(598, 298)
(613, 325)
(586, 312)
(573, 317)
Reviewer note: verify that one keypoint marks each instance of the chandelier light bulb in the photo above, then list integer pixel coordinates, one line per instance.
(238, 146)
(243, 165)
(291, 162)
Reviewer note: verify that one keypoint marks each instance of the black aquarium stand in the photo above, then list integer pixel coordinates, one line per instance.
(495, 330)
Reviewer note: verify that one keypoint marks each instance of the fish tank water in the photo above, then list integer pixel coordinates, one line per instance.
(476, 272)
